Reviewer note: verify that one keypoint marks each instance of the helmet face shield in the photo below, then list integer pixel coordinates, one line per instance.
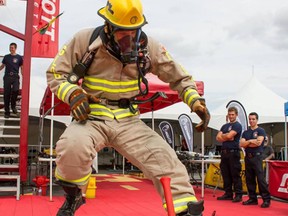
(126, 40)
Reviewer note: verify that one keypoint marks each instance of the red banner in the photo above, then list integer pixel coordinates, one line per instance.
(278, 179)
(45, 28)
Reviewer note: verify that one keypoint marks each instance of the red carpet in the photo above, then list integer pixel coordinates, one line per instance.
(123, 196)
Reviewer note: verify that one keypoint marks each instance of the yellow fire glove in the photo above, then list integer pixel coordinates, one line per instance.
(199, 107)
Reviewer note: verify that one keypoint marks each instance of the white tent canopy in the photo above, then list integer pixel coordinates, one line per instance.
(172, 113)
(255, 97)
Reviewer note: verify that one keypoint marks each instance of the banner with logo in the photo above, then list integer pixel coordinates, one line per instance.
(278, 179)
(213, 176)
(45, 28)
(167, 133)
(242, 116)
(187, 130)
(2, 2)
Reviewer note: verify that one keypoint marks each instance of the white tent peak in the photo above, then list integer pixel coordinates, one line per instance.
(255, 97)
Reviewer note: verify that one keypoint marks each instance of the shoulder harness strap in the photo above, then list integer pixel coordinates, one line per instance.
(81, 67)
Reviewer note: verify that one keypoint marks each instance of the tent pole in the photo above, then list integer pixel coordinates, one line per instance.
(152, 113)
(285, 132)
(285, 135)
(202, 165)
(51, 146)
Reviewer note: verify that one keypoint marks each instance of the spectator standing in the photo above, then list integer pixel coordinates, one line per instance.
(253, 142)
(230, 165)
(268, 152)
(11, 80)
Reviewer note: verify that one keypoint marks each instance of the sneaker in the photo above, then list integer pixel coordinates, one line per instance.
(71, 204)
(225, 197)
(6, 115)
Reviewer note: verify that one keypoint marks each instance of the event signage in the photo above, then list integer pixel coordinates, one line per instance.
(286, 108)
(187, 130)
(45, 28)
(278, 179)
(167, 133)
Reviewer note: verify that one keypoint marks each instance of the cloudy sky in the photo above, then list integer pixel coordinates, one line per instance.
(221, 42)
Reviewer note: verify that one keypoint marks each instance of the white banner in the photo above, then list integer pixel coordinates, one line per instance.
(2, 2)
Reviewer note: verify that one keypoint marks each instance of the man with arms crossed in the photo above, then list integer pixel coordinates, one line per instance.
(230, 165)
(253, 141)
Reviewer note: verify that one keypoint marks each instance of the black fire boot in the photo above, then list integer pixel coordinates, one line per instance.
(73, 199)
(194, 209)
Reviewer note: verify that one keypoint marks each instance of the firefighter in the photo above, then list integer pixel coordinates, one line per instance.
(104, 106)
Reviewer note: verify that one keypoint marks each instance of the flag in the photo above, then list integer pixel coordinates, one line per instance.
(43, 29)
(2, 2)
(242, 116)
(187, 130)
(45, 38)
(167, 133)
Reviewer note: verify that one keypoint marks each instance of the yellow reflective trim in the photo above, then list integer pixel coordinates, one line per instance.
(192, 98)
(128, 114)
(168, 55)
(65, 87)
(102, 110)
(112, 83)
(81, 181)
(101, 113)
(53, 65)
(189, 95)
(185, 96)
(122, 109)
(99, 106)
(184, 70)
(181, 208)
(105, 89)
(117, 113)
(180, 205)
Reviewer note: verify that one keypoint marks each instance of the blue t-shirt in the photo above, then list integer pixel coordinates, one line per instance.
(12, 63)
(253, 134)
(226, 128)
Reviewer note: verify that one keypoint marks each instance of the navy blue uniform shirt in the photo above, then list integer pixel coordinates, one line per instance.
(12, 63)
(226, 128)
(253, 134)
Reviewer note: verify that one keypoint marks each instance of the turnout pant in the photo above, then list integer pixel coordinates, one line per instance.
(133, 139)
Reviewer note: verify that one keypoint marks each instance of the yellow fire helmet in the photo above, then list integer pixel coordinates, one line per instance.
(124, 14)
